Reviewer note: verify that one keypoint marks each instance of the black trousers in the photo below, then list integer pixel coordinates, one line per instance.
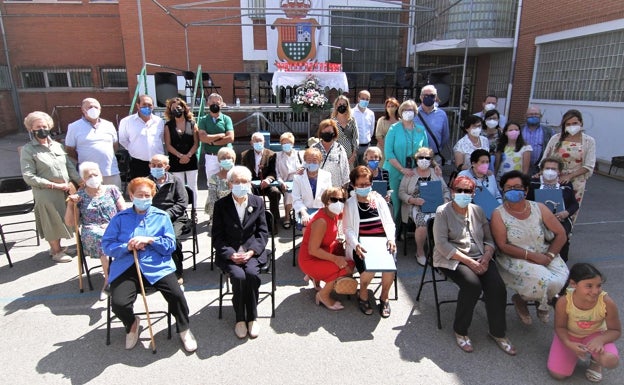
(138, 168)
(124, 290)
(245, 283)
(180, 227)
(274, 194)
(470, 287)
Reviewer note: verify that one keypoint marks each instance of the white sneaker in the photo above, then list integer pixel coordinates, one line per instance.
(421, 260)
(133, 337)
(240, 329)
(61, 257)
(254, 329)
(188, 340)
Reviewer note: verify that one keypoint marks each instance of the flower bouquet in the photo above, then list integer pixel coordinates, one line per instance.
(309, 95)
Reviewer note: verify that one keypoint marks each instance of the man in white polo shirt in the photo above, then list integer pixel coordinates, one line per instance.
(365, 119)
(93, 139)
(142, 135)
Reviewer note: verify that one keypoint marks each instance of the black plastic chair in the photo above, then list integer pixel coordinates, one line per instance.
(352, 80)
(13, 185)
(242, 81)
(265, 88)
(404, 83)
(267, 268)
(376, 83)
(193, 226)
(209, 85)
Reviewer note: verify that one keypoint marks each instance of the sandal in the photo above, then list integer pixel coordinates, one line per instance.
(522, 309)
(595, 374)
(384, 308)
(365, 306)
(464, 343)
(504, 344)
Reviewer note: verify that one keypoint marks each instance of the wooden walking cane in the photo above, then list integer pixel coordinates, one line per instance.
(149, 321)
(79, 257)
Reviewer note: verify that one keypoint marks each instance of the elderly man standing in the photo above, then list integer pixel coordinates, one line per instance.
(142, 134)
(171, 198)
(535, 135)
(93, 139)
(215, 131)
(365, 119)
(490, 103)
(261, 162)
(433, 119)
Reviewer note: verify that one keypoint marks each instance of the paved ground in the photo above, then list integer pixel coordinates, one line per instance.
(53, 334)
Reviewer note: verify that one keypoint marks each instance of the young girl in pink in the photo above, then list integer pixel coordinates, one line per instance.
(586, 325)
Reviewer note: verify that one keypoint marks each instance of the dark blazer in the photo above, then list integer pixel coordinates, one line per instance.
(229, 234)
(171, 198)
(267, 164)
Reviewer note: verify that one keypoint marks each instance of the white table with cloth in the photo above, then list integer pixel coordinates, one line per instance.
(337, 80)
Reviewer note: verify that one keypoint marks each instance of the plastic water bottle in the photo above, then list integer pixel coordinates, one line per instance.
(237, 102)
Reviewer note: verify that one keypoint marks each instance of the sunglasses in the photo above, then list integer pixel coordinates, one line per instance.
(334, 199)
(464, 190)
(429, 96)
(423, 157)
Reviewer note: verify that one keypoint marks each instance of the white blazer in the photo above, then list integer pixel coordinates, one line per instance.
(302, 191)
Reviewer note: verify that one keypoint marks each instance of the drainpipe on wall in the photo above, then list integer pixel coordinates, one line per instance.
(513, 59)
(16, 103)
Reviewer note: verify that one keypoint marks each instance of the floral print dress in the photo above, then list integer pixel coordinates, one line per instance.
(532, 281)
(95, 214)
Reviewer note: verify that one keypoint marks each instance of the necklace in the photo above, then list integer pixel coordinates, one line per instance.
(366, 206)
(526, 206)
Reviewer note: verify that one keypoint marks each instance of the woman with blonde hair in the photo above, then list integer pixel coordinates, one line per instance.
(348, 135)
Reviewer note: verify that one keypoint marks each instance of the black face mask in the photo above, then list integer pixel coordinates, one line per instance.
(429, 101)
(327, 136)
(42, 134)
(342, 109)
(214, 108)
(178, 112)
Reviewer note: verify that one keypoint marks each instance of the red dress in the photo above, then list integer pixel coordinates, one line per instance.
(316, 268)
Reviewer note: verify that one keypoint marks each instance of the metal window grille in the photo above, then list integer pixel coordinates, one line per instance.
(114, 78)
(57, 78)
(586, 68)
(498, 78)
(256, 9)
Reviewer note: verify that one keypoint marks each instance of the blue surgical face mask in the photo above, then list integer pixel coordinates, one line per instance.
(157, 172)
(363, 191)
(226, 164)
(514, 196)
(363, 103)
(287, 147)
(142, 204)
(462, 199)
(258, 146)
(313, 167)
(533, 120)
(373, 164)
(145, 111)
(240, 190)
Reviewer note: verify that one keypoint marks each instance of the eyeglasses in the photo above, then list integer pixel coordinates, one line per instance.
(464, 190)
(516, 187)
(423, 157)
(334, 199)
(429, 96)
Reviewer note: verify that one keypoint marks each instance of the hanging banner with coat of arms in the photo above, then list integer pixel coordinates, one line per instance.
(293, 38)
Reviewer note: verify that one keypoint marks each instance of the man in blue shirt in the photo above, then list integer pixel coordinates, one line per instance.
(436, 119)
(535, 135)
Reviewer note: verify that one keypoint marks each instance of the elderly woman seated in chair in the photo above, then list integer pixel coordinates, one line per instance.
(309, 186)
(463, 251)
(239, 236)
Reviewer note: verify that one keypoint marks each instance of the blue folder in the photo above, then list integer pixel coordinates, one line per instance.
(431, 192)
(380, 186)
(552, 198)
(484, 199)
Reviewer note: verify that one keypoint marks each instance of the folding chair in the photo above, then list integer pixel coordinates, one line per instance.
(267, 268)
(265, 88)
(297, 226)
(193, 235)
(434, 280)
(377, 82)
(12, 185)
(242, 81)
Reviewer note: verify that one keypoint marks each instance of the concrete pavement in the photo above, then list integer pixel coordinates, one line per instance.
(53, 334)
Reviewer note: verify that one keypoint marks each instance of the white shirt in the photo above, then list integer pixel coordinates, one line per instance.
(94, 143)
(142, 139)
(365, 123)
(240, 207)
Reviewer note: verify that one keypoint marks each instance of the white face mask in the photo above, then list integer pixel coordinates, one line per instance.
(336, 207)
(490, 106)
(423, 163)
(94, 181)
(408, 116)
(93, 113)
(549, 174)
(491, 123)
(573, 130)
(475, 131)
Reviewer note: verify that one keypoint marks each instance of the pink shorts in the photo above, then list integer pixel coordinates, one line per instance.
(562, 360)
